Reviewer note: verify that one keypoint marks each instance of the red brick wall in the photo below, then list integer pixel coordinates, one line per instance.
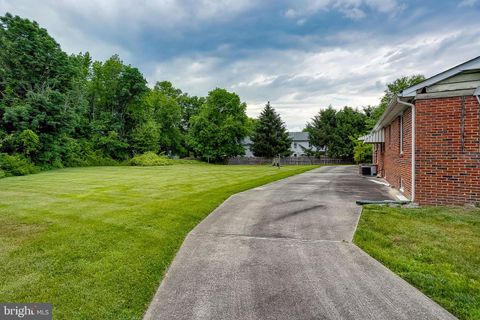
(445, 173)
(396, 164)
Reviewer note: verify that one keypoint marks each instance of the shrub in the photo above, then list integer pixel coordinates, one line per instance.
(2, 174)
(16, 165)
(28, 142)
(362, 153)
(150, 159)
(96, 158)
(82, 153)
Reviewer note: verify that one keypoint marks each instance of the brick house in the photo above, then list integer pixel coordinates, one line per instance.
(427, 142)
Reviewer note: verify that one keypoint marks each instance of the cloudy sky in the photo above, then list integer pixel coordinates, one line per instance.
(301, 55)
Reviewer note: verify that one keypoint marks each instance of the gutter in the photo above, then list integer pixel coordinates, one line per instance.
(390, 107)
(413, 143)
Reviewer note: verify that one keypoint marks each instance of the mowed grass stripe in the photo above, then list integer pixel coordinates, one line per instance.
(95, 242)
(436, 249)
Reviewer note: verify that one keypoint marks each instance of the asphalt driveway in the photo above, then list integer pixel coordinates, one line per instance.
(284, 251)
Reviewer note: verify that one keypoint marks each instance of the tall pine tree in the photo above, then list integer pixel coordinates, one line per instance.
(270, 137)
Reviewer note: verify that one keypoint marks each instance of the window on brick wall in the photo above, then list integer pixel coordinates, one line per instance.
(401, 133)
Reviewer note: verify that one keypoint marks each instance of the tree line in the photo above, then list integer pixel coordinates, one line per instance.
(60, 110)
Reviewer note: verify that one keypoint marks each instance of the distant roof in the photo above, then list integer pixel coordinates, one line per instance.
(298, 136)
(295, 136)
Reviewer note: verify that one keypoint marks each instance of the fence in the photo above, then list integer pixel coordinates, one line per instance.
(287, 160)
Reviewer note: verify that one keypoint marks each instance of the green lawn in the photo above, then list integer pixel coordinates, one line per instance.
(95, 242)
(436, 249)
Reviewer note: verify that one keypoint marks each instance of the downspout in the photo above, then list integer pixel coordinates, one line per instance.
(413, 143)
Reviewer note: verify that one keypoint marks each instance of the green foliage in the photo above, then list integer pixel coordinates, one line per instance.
(83, 153)
(16, 165)
(166, 112)
(189, 106)
(150, 159)
(217, 130)
(393, 88)
(270, 137)
(28, 142)
(322, 128)
(362, 153)
(115, 90)
(146, 137)
(334, 130)
(112, 145)
(30, 60)
(2, 174)
(58, 110)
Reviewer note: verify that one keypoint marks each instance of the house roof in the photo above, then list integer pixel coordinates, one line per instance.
(469, 65)
(295, 136)
(298, 136)
(409, 94)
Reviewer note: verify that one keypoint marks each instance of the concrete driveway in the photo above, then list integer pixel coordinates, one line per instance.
(284, 251)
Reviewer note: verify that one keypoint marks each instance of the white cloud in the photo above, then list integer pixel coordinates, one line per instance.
(467, 3)
(350, 8)
(94, 24)
(298, 82)
(308, 71)
(384, 5)
(354, 13)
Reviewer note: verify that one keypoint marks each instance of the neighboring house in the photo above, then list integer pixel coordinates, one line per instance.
(247, 143)
(299, 144)
(427, 142)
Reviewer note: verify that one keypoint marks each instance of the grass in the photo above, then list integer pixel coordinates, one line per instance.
(436, 249)
(96, 241)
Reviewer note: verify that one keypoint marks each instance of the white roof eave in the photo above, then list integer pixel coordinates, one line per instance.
(469, 65)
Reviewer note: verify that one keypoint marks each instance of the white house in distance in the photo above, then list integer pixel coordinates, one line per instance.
(299, 144)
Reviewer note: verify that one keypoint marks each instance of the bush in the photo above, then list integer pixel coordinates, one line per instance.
(81, 153)
(16, 165)
(2, 174)
(362, 153)
(28, 142)
(150, 159)
(97, 159)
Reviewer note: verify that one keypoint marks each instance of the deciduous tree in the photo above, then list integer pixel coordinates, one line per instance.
(217, 131)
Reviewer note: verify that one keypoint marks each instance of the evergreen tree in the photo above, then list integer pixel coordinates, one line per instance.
(270, 137)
